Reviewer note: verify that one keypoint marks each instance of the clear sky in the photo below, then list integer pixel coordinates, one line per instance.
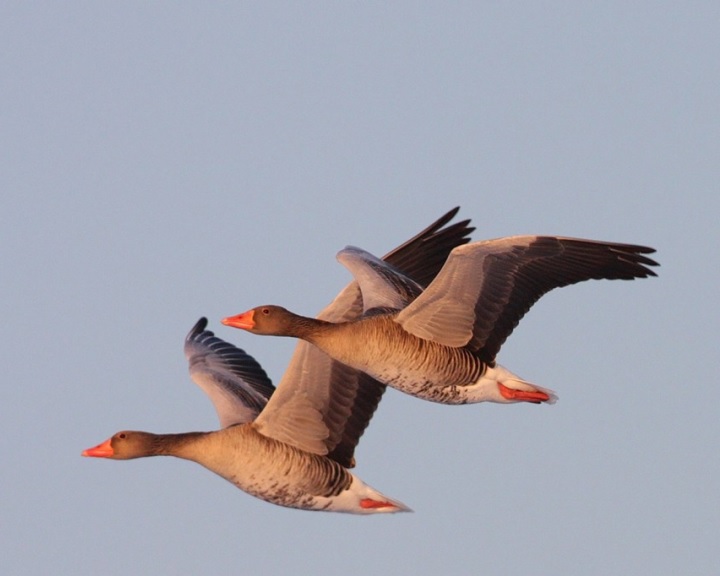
(162, 161)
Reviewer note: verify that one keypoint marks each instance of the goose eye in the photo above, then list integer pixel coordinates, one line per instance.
(265, 311)
(122, 435)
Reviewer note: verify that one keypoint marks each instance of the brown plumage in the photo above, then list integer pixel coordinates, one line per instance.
(295, 448)
(442, 344)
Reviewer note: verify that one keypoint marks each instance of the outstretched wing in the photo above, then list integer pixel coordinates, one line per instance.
(235, 383)
(485, 288)
(382, 285)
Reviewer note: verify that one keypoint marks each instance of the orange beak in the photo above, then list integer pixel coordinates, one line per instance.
(244, 320)
(103, 450)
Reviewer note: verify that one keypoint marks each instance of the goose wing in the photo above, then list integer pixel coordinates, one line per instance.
(382, 285)
(420, 259)
(321, 405)
(485, 288)
(234, 381)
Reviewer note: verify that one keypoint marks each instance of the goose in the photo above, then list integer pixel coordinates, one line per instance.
(293, 446)
(441, 345)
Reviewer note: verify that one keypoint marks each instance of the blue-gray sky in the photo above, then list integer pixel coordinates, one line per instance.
(159, 162)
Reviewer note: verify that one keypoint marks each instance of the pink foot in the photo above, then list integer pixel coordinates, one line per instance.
(370, 503)
(522, 395)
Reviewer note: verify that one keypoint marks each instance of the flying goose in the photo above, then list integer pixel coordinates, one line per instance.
(441, 345)
(296, 448)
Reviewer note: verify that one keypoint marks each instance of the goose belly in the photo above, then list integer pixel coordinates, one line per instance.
(434, 373)
(403, 361)
(278, 473)
(426, 387)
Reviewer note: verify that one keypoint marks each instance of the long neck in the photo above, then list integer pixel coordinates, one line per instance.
(353, 343)
(184, 445)
(307, 328)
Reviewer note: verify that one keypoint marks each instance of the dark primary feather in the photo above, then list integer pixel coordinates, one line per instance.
(424, 254)
(515, 280)
(363, 397)
(228, 367)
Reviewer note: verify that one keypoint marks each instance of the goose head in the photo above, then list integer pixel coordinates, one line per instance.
(269, 320)
(126, 445)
